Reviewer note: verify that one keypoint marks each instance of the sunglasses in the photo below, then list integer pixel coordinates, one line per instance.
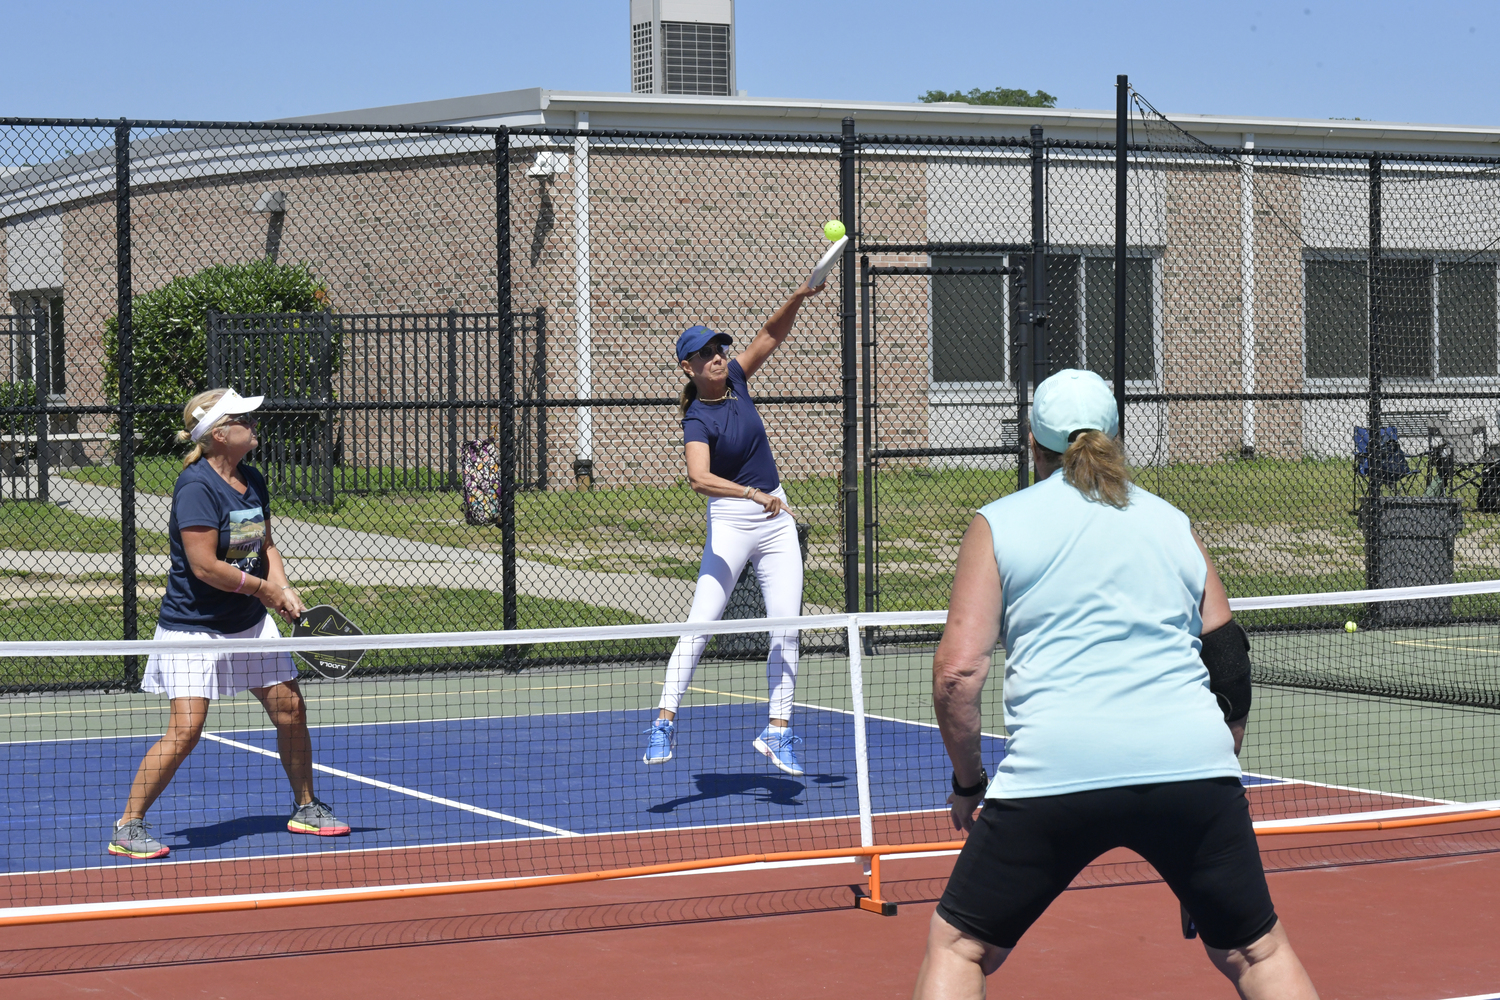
(708, 352)
(243, 421)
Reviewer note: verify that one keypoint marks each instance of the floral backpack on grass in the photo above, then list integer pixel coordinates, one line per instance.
(481, 479)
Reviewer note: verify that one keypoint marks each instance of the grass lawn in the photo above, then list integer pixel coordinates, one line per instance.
(29, 524)
(1273, 526)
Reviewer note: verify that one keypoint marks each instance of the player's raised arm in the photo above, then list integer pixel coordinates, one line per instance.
(775, 331)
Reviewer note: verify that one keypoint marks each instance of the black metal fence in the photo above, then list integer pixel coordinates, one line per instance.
(398, 292)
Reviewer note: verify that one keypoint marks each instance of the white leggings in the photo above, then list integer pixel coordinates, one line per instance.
(739, 531)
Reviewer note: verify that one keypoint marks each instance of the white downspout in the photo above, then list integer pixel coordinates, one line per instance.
(583, 457)
(1247, 294)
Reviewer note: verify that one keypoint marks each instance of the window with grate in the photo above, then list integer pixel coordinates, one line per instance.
(641, 71)
(1438, 318)
(22, 360)
(696, 58)
(969, 319)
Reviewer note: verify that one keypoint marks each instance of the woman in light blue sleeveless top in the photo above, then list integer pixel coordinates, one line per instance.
(1111, 615)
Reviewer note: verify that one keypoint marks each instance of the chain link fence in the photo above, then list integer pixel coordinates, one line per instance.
(1309, 364)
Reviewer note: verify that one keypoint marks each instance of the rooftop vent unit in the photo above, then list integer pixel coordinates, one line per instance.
(682, 47)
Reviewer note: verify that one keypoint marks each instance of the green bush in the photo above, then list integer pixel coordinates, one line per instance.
(171, 334)
(17, 394)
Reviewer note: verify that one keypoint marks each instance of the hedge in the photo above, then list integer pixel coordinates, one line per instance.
(170, 324)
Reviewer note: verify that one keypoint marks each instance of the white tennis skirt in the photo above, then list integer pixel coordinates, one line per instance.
(202, 674)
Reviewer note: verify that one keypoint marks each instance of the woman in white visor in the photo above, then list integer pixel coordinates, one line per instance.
(225, 577)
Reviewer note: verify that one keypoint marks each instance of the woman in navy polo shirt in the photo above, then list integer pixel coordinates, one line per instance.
(226, 575)
(729, 461)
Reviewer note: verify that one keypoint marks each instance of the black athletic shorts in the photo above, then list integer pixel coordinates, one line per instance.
(1022, 853)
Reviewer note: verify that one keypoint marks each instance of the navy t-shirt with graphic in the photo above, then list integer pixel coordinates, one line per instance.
(738, 449)
(202, 499)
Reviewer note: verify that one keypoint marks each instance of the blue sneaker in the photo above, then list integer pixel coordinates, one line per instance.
(663, 738)
(780, 748)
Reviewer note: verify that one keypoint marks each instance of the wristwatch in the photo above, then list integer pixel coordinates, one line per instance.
(974, 789)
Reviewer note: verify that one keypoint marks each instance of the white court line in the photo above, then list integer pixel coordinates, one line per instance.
(1380, 814)
(1348, 788)
(450, 803)
(1481, 996)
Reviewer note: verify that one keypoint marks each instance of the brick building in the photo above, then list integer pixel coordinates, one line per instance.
(1234, 280)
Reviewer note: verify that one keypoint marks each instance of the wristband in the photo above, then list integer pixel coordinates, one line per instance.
(975, 789)
(241, 586)
(749, 490)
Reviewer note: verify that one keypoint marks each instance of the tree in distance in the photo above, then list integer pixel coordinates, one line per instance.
(1004, 96)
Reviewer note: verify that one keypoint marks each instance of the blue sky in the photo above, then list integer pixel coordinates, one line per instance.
(1430, 62)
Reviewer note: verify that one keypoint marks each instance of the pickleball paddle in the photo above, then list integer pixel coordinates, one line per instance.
(324, 619)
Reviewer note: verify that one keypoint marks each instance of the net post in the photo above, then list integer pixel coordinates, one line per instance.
(872, 902)
(861, 742)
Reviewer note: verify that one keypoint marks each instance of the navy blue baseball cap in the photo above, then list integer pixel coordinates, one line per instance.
(695, 338)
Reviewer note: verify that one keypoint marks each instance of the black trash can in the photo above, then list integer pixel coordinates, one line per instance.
(746, 601)
(1416, 550)
(1489, 481)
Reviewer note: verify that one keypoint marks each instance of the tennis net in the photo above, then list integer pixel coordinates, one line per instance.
(531, 766)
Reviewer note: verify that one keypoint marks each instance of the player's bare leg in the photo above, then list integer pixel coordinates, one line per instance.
(956, 964)
(184, 727)
(1266, 969)
(288, 712)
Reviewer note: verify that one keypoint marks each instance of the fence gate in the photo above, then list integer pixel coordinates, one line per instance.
(290, 359)
(25, 344)
(944, 398)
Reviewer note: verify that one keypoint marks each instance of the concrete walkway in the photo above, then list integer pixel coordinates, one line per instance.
(323, 552)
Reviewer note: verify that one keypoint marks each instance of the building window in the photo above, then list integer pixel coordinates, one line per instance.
(970, 342)
(23, 363)
(1438, 318)
(642, 73)
(696, 58)
(969, 324)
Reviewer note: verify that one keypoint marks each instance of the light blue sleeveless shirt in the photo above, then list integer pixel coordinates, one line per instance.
(1104, 685)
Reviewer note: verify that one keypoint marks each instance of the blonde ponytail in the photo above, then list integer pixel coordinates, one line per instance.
(1094, 465)
(191, 414)
(685, 398)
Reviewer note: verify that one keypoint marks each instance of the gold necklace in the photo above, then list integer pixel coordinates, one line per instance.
(729, 394)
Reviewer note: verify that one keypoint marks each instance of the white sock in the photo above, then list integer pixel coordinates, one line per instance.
(777, 729)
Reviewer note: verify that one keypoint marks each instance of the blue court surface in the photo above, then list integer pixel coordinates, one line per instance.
(463, 781)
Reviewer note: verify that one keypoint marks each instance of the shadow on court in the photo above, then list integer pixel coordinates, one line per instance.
(143, 951)
(766, 788)
(230, 830)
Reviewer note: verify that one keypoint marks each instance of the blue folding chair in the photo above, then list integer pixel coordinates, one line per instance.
(1391, 465)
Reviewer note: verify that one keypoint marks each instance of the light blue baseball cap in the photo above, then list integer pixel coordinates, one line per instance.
(1069, 402)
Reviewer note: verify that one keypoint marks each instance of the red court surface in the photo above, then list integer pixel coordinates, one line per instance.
(1425, 929)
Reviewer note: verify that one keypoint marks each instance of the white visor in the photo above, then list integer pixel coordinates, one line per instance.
(230, 403)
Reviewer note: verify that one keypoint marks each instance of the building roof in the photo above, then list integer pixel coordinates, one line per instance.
(164, 156)
(538, 106)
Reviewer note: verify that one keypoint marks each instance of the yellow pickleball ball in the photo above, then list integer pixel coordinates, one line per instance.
(833, 229)
(1350, 627)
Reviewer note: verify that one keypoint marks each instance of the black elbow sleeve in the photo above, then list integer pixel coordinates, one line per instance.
(1226, 654)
